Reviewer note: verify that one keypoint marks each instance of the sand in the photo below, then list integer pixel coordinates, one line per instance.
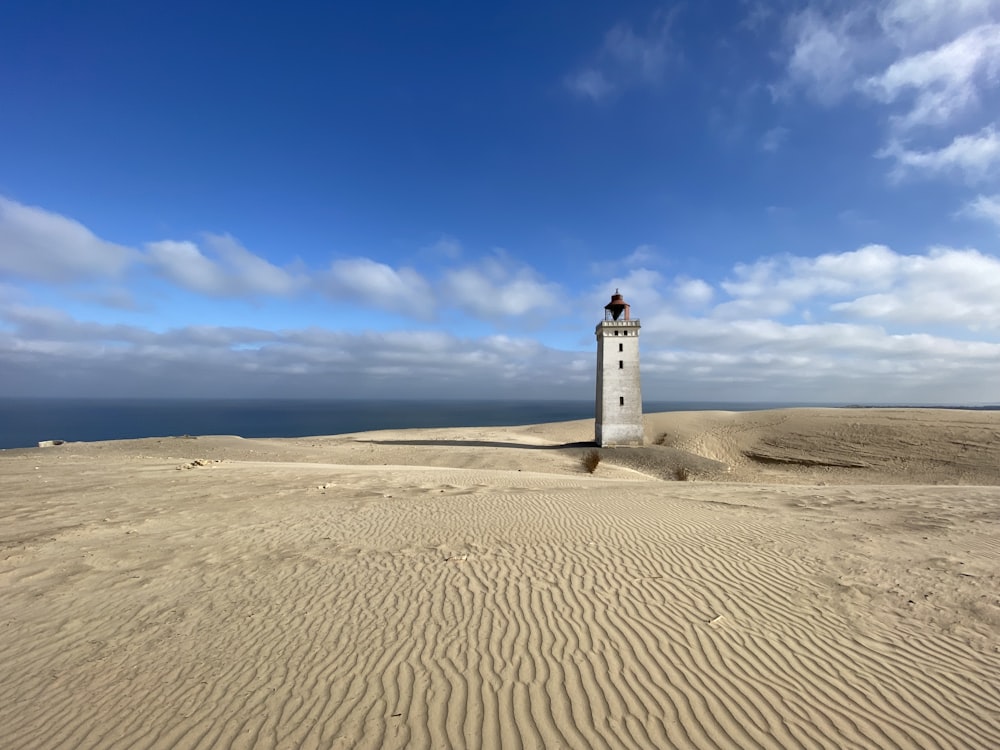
(822, 578)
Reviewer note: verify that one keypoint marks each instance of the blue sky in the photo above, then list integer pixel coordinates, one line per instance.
(801, 200)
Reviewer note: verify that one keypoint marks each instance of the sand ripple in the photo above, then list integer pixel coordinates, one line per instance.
(382, 607)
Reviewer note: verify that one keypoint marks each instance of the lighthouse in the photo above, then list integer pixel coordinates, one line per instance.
(618, 413)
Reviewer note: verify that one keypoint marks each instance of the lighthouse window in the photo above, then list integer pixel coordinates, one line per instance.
(621, 365)
(621, 401)
(621, 347)
(616, 333)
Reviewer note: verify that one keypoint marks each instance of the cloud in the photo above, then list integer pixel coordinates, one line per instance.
(589, 84)
(41, 326)
(45, 349)
(756, 358)
(40, 245)
(643, 254)
(867, 325)
(839, 326)
(758, 14)
(642, 288)
(183, 264)
(945, 287)
(857, 220)
(445, 247)
(917, 24)
(648, 291)
(500, 287)
(118, 298)
(644, 56)
(932, 64)
(773, 139)
(363, 282)
(984, 207)
(772, 286)
(233, 271)
(44, 246)
(944, 81)
(250, 273)
(693, 292)
(942, 52)
(627, 59)
(970, 158)
(825, 53)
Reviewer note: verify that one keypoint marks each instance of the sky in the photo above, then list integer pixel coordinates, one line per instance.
(799, 199)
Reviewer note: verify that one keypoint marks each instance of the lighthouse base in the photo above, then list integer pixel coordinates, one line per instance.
(611, 435)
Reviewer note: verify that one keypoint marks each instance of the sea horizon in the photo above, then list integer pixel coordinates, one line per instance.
(25, 421)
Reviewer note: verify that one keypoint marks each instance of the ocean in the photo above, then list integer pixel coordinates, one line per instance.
(25, 422)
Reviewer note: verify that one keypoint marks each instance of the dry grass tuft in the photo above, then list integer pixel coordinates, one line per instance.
(590, 460)
(682, 474)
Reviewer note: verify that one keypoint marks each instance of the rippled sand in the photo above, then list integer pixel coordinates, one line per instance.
(811, 587)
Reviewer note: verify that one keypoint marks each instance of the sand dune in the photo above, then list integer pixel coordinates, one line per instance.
(830, 579)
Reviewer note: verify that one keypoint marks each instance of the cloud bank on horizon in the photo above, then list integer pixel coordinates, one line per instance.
(801, 201)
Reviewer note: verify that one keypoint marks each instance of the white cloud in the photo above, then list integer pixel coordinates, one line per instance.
(46, 324)
(642, 288)
(776, 283)
(826, 52)
(234, 271)
(945, 80)
(45, 246)
(41, 245)
(945, 287)
(871, 264)
(643, 254)
(500, 287)
(886, 327)
(745, 360)
(694, 292)
(834, 327)
(971, 158)
(984, 207)
(930, 63)
(250, 273)
(627, 59)
(39, 346)
(183, 264)
(363, 282)
(917, 24)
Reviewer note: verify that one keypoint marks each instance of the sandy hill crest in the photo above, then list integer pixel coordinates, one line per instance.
(809, 445)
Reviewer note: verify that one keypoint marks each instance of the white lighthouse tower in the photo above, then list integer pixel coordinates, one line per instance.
(618, 419)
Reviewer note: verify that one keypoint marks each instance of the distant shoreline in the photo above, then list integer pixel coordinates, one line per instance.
(983, 407)
(24, 422)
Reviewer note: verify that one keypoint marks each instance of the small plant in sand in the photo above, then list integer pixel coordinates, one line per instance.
(590, 460)
(682, 474)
